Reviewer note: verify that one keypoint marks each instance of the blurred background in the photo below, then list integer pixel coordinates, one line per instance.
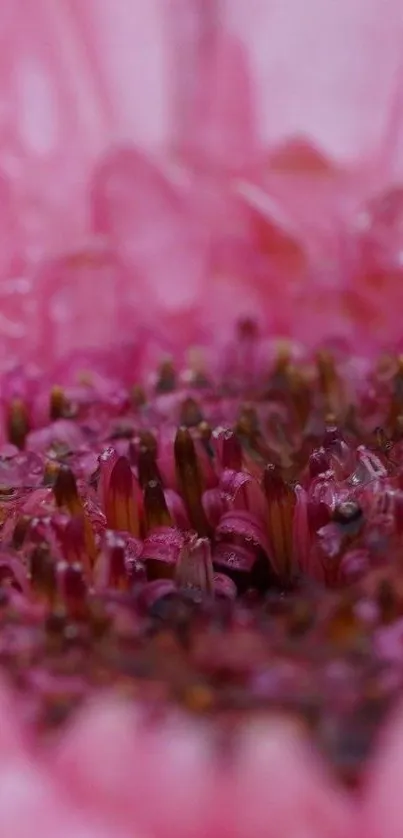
(199, 93)
(77, 74)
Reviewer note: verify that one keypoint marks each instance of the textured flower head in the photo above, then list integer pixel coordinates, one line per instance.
(221, 157)
(201, 492)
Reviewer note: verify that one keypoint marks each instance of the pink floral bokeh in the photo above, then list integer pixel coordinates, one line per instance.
(219, 151)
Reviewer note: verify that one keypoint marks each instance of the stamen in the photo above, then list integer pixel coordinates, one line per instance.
(194, 569)
(18, 424)
(161, 552)
(248, 424)
(148, 440)
(59, 405)
(190, 480)
(231, 451)
(138, 396)
(306, 587)
(43, 574)
(329, 384)
(387, 602)
(110, 570)
(205, 431)
(67, 497)
(73, 589)
(121, 512)
(74, 546)
(301, 396)
(65, 491)
(21, 530)
(166, 380)
(107, 461)
(282, 362)
(281, 502)
(50, 473)
(155, 507)
(190, 413)
(147, 465)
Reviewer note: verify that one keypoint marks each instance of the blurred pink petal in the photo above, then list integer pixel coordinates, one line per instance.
(277, 774)
(169, 782)
(382, 815)
(277, 81)
(315, 72)
(160, 781)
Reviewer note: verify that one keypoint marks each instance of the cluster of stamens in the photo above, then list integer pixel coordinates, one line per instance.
(230, 544)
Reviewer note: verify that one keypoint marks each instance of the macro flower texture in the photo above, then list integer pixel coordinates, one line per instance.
(201, 419)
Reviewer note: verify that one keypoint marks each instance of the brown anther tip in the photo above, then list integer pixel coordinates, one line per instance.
(138, 396)
(283, 354)
(273, 481)
(121, 510)
(281, 501)
(50, 474)
(382, 439)
(121, 478)
(344, 629)
(248, 410)
(74, 539)
(184, 447)
(119, 577)
(65, 487)
(110, 569)
(247, 327)
(231, 450)
(326, 368)
(157, 513)
(190, 480)
(43, 571)
(55, 622)
(325, 358)
(198, 699)
(194, 569)
(147, 466)
(73, 588)
(166, 379)
(190, 413)
(153, 487)
(20, 531)
(18, 425)
(247, 423)
(387, 601)
(332, 434)
(205, 431)
(59, 406)
(148, 441)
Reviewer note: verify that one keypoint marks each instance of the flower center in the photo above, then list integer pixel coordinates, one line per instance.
(227, 542)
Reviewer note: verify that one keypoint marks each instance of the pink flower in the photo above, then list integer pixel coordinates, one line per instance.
(200, 525)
